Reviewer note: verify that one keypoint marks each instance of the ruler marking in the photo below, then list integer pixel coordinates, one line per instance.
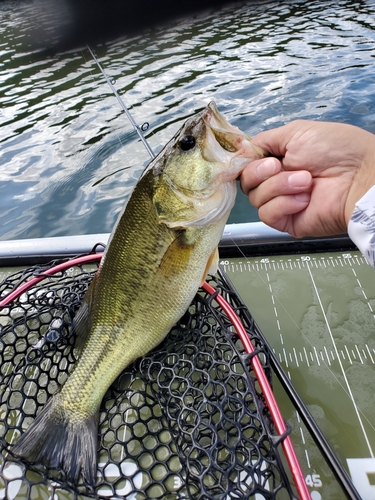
(369, 352)
(316, 355)
(359, 355)
(295, 355)
(329, 361)
(307, 359)
(307, 459)
(347, 353)
(285, 357)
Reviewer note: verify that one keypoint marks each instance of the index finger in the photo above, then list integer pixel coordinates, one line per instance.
(276, 140)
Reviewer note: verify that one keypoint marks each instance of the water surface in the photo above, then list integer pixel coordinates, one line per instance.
(69, 158)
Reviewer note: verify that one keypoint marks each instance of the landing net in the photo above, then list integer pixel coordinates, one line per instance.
(186, 421)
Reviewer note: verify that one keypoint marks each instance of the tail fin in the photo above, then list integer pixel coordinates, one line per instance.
(60, 443)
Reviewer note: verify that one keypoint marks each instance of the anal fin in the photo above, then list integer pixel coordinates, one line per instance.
(212, 265)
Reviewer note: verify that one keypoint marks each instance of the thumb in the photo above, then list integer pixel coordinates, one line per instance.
(257, 172)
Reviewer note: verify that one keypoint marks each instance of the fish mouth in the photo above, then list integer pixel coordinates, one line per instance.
(227, 144)
(228, 136)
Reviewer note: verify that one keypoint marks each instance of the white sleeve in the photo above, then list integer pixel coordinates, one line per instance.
(361, 228)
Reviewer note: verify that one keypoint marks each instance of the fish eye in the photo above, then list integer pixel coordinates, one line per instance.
(187, 142)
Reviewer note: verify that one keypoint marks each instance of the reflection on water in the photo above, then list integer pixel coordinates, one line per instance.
(69, 158)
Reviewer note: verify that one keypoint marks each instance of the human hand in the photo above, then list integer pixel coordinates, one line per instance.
(323, 169)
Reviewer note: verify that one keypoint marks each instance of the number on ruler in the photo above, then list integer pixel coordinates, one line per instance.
(313, 480)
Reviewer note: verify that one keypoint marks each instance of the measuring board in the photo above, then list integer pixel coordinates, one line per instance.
(318, 313)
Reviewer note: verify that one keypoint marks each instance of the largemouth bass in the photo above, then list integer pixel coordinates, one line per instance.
(159, 253)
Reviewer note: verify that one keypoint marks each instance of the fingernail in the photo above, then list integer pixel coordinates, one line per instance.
(299, 179)
(267, 168)
(302, 197)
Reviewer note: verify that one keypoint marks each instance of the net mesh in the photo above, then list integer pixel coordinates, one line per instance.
(186, 421)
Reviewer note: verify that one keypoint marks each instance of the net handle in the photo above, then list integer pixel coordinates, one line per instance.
(277, 418)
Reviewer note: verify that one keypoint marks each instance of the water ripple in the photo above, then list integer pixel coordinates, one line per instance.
(68, 156)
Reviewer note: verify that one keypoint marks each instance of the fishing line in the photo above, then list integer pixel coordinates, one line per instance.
(314, 430)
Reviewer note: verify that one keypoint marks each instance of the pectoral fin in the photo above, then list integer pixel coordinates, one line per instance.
(212, 265)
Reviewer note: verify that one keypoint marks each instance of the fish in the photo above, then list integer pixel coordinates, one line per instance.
(159, 253)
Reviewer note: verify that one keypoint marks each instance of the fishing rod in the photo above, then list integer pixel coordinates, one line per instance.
(136, 127)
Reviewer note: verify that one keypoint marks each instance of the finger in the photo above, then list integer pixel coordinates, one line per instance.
(280, 211)
(280, 184)
(276, 140)
(257, 172)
